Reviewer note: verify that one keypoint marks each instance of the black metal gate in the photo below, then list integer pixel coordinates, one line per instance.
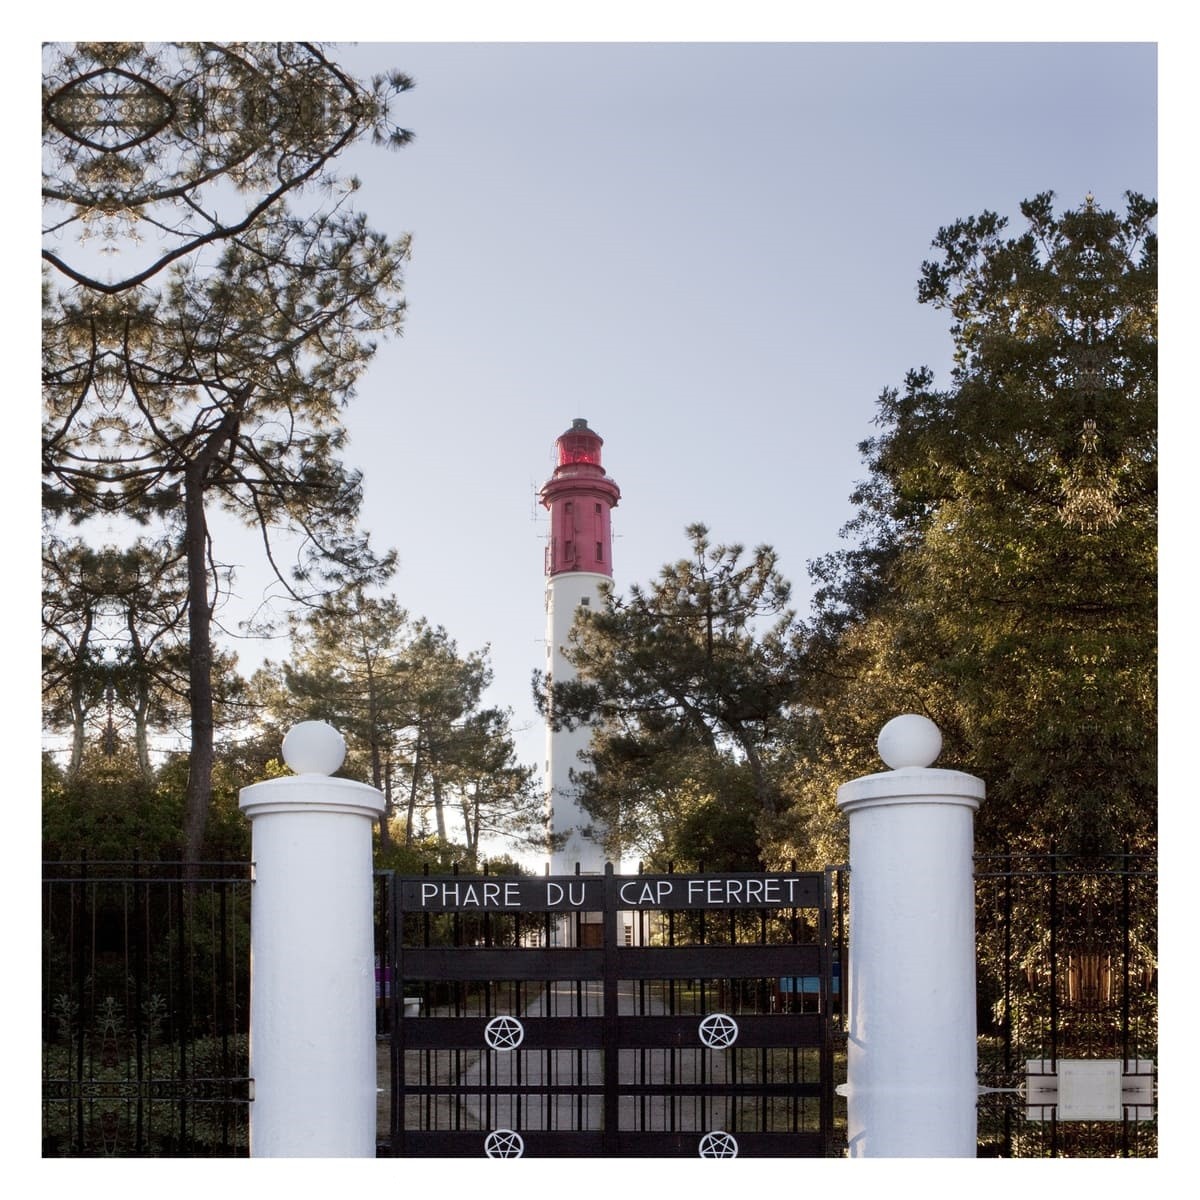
(639, 1015)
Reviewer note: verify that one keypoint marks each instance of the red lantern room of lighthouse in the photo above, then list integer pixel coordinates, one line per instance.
(580, 497)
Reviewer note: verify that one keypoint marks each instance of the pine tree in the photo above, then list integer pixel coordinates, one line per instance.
(208, 368)
(1005, 578)
(686, 683)
(410, 707)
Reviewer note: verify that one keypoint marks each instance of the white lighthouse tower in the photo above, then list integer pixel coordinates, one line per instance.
(580, 497)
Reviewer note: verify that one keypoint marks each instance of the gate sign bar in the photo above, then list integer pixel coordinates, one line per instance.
(572, 893)
(786, 889)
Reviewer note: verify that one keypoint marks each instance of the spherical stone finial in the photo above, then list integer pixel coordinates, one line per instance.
(909, 741)
(314, 748)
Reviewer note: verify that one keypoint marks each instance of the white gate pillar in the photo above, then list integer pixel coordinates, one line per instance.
(911, 1071)
(312, 955)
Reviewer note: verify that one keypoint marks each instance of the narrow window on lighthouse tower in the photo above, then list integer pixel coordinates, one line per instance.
(599, 551)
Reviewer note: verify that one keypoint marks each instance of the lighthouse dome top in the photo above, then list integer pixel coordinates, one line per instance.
(579, 444)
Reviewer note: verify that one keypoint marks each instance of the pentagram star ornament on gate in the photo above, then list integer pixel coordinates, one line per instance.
(504, 1033)
(718, 1030)
(504, 1143)
(718, 1144)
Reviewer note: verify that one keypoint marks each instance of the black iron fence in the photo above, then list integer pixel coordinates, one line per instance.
(612, 1015)
(145, 1005)
(1068, 973)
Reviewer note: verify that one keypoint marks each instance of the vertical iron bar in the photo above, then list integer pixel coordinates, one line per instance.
(1125, 947)
(674, 1051)
(1008, 913)
(127, 1064)
(222, 1014)
(151, 889)
(392, 958)
(825, 1068)
(795, 1102)
(1053, 959)
(611, 1050)
(79, 926)
(48, 984)
(642, 1059)
(518, 1056)
(1053, 991)
(704, 1054)
(580, 1123)
(185, 1014)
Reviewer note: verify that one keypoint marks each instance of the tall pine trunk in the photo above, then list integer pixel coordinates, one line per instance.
(385, 832)
(439, 809)
(200, 654)
(79, 711)
(411, 815)
(381, 778)
(200, 762)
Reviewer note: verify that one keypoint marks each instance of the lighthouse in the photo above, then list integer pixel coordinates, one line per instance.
(580, 497)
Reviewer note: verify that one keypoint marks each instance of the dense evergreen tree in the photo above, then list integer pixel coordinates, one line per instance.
(73, 668)
(347, 667)
(1004, 581)
(496, 795)
(410, 707)
(114, 645)
(687, 683)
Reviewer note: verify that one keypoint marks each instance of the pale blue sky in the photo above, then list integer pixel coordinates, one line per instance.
(710, 251)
